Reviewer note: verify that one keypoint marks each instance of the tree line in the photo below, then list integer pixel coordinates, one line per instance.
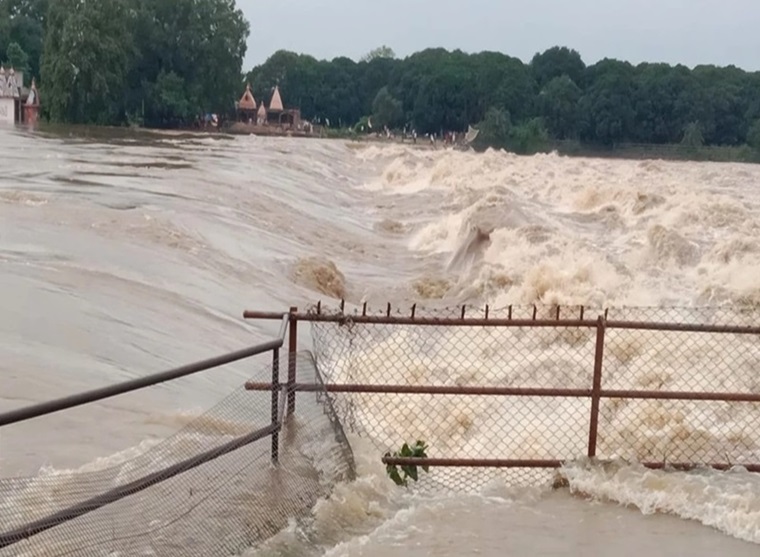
(556, 95)
(148, 62)
(164, 62)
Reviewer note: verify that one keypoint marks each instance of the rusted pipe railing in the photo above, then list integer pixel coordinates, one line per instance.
(558, 319)
(79, 509)
(75, 511)
(596, 387)
(463, 321)
(49, 407)
(424, 321)
(292, 354)
(472, 462)
(424, 389)
(274, 387)
(548, 463)
(506, 391)
(682, 327)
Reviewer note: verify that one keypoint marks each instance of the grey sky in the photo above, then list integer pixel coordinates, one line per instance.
(687, 31)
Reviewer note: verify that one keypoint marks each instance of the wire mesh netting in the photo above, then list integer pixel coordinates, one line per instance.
(698, 431)
(558, 356)
(221, 507)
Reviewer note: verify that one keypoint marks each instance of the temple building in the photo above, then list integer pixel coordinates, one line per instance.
(276, 115)
(246, 106)
(17, 103)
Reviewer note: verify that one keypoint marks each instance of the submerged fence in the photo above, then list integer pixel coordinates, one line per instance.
(229, 480)
(516, 393)
(528, 389)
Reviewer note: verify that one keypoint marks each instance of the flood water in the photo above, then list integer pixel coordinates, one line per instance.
(125, 253)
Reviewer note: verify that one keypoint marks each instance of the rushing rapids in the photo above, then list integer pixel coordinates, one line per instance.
(122, 254)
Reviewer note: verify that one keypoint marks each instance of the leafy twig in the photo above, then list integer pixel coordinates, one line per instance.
(418, 450)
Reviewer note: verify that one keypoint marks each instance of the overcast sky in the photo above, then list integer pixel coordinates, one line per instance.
(687, 31)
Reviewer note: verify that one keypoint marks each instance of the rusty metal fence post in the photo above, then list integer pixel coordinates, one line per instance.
(275, 404)
(596, 389)
(292, 350)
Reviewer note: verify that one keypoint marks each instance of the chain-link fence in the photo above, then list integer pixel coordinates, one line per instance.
(689, 431)
(221, 507)
(554, 348)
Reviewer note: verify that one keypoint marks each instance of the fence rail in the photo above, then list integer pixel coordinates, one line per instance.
(587, 360)
(356, 326)
(272, 430)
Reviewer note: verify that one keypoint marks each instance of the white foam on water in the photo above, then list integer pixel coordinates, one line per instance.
(568, 232)
(728, 501)
(573, 230)
(559, 231)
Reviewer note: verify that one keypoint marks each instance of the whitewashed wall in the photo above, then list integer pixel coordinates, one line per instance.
(7, 111)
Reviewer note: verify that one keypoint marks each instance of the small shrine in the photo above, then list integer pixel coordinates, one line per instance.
(246, 106)
(32, 105)
(17, 103)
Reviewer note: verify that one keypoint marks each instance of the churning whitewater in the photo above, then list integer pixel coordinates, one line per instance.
(125, 254)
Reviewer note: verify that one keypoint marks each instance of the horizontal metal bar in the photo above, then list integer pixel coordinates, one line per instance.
(264, 315)
(75, 511)
(682, 395)
(519, 463)
(429, 321)
(94, 395)
(425, 389)
(472, 462)
(499, 322)
(687, 466)
(682, 327)
(507, 391)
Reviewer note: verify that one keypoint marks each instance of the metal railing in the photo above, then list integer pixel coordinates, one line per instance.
(278, 413)
(283, 394)
(596, 393)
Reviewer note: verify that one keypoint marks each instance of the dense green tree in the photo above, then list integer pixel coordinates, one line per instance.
(556, 62)
(198, 43)
(5, 29)
(692, 136)
(606, 109)
(379, 52)
(386, 110)
(87, 53)
(371, 77)
(529, 138)
(168, 100)
(494, 130)
(16, 58)
(23, 22)
(558, 105)
(753, 135)
(159, 62)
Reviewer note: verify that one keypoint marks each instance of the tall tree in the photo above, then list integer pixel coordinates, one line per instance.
(379, 52)
(386, 110)
(16, 58)
(558, 105)
(88, 48)
(606, 108)
(556, 62)
(198, 43)
(23, 22)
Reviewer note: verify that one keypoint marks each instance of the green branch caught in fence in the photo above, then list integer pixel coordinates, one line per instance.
(409, 471)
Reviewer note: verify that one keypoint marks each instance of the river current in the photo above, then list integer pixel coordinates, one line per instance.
(125, 253)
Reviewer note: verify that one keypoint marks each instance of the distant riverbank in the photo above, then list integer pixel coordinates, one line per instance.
(743, 154)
